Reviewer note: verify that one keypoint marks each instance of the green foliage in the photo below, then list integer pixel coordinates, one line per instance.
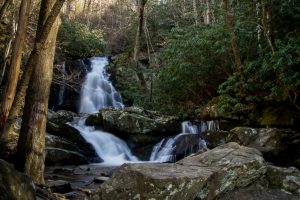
(77, 40)
(191, 66)
(196, 63)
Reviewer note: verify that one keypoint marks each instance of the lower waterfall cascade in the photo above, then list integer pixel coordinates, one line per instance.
(186, 142)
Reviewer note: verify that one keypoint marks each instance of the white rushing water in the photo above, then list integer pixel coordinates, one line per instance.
(187, 142)
(97, 92)
(110, 148)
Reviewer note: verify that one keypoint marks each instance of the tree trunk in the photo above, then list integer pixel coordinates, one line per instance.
(266, 25)
(15, 63)
(195, 10)
(139, 73)
(41, 37)
(31, 144)
(4, 8)
(5, 60)
(233, 37)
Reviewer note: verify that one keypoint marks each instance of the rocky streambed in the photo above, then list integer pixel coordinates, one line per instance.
(238, 164)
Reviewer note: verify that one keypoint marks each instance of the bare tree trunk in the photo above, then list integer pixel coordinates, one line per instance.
(4, 8)
(7, 49)
(195, 10)
(266, 25)
(12, 80)
(31, 144)
(259, 26)
(233, 37)
(5, 60)
(139, 73)
(41, 37)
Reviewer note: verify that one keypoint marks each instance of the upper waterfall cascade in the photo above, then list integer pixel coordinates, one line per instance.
(97, 91)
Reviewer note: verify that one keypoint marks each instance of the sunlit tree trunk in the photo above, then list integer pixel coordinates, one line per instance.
(195, 10)
(140, 75)
(31, 144)
(266, 16)
(8, 46)
(233, 37)
(41, 38)
(15, 63)
(4, 8)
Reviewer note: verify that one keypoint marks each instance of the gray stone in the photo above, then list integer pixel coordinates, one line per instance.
(134, 120)
(59, 186)
(101, 179)
(203, 176)
(279, 146)
(56, 156)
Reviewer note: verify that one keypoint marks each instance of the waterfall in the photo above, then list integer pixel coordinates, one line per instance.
(97, 92)
(62, 88)
(110, 148)
(185, 143)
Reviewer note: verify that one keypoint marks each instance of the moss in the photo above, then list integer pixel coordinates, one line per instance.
(278, 117)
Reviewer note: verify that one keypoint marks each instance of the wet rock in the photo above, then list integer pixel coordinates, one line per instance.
(284, 178)
(134, 120)
(101, 179)
(44, 194)
(61, 143)
(14, 185)
(214, 138)
(67, 137)
(279, 146)
(71, 96)
(60, 116)
(60, 186)
(56, 156)
(209, 175)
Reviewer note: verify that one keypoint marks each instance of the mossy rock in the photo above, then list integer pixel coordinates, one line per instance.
(282, 116)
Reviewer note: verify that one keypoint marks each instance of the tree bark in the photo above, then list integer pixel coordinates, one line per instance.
(4, 8)
(233, 37)
(266, 25)
(195, 10)
(31, 144)
(15, 63)
(41, 37)
(139, 73)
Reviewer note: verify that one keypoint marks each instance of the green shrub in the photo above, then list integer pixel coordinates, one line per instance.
(77, 40)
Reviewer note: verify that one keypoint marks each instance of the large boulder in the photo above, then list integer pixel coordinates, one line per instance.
(14, 185)
(63, 136)
(62, 151)
(60, 116)
(209, 175)
(286, 178)
(56, 156)
(279, 146)
(134, 120)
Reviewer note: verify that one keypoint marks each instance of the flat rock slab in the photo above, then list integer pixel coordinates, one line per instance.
(79, 178)
(205, 176)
